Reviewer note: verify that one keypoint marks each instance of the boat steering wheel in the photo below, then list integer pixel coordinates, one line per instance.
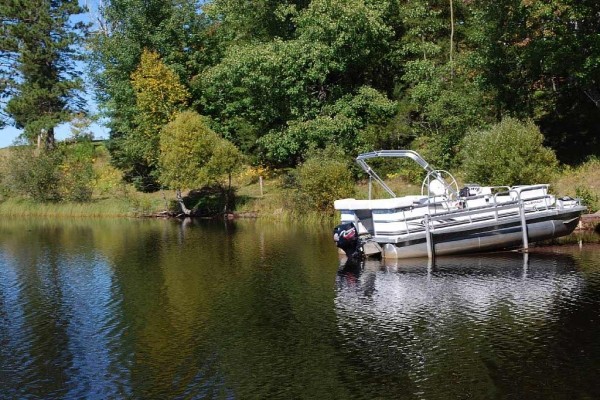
(444, 184)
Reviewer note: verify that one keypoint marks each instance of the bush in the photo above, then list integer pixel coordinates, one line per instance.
(63, 174)
(76, 172)
(32, 175)
(509, 153)
(588, 198)
(322, 179)
(192, 155)
(582, 181)
(108, 180)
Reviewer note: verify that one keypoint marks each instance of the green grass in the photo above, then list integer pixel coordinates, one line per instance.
(135, 206)
(114, 199)
(276, 202)
(582, 181)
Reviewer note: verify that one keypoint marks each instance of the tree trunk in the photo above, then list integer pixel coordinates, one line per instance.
(451, 40)
(50, 141)
(226, 208)
(47, 136)
(184, 209)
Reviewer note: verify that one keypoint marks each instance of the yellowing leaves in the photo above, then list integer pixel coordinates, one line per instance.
(157, 87)
(159, 95)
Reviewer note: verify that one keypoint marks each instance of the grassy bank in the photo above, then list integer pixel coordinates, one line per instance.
(139, 206)
(275, 201)
(583, 182)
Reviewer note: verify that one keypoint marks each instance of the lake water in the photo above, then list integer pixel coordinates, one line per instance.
(148, 309)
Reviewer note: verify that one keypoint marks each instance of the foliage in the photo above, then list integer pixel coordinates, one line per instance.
(582, 181)
(159, 95)
(108, 179)
(225, 160)
(283, 90)
(64, 174)
(340, 123)
(192, 155)
(279, 79)
(257, 20)
(76, 172)
(442, 96)
(39, 45)
(509, 153)
(589, 199)
(541, 61)
(174, 29)
(323, 178)
(27, 173)
(209, 200)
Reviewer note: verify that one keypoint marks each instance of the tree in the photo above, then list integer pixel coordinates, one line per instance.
(258, 20)
(264, 88)
(177, 31)
(509, 153)
(159, 95)
(541, 59)
(225, 160)
(192, 155)
(39, 47)
(341, 124)
(440, 78)
(324, 177)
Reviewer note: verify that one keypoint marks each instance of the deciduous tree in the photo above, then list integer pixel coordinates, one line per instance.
(158, 96)
(177, 31)
(192, 155)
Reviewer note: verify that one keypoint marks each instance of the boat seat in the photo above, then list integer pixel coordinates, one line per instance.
(378, 204)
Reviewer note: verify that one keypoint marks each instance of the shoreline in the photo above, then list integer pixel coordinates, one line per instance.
(589, 222)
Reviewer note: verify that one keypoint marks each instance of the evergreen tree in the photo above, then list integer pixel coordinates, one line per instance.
(39, 47)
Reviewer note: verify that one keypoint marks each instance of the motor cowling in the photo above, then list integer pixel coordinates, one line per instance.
(346, 238)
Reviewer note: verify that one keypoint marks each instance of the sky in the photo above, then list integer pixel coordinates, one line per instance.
(8, 134)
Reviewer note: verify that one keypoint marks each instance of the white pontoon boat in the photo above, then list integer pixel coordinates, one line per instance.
(446, 220)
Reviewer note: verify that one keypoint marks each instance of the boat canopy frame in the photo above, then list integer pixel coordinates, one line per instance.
(413, 155)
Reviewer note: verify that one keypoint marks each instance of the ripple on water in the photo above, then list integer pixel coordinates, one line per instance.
(479, 313)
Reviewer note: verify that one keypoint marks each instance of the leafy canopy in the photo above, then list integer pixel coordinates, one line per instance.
(158, 96)
(192, 155)
(509, 153)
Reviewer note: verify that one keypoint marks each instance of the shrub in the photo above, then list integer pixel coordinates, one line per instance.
(63, 174)
(588, 198)
(322, 179)
(509, 153)
(76, 172)
(192, 155)
(582, 181)
(31, 174)
(108, 180)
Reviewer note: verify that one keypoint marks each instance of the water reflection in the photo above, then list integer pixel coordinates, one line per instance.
(256, 310)
(159, 309)
(471, 326)
(399, 287)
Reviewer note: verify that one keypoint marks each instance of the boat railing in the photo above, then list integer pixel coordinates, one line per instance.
(455, 214)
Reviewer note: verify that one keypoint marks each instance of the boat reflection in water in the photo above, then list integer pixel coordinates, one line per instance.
(472, 315)
(399, 287)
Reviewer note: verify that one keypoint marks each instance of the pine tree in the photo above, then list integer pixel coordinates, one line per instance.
(38, 48)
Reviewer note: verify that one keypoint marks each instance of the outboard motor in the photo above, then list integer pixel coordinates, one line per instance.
(346, 238)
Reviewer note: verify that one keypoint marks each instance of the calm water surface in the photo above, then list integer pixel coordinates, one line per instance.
(136, 309)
